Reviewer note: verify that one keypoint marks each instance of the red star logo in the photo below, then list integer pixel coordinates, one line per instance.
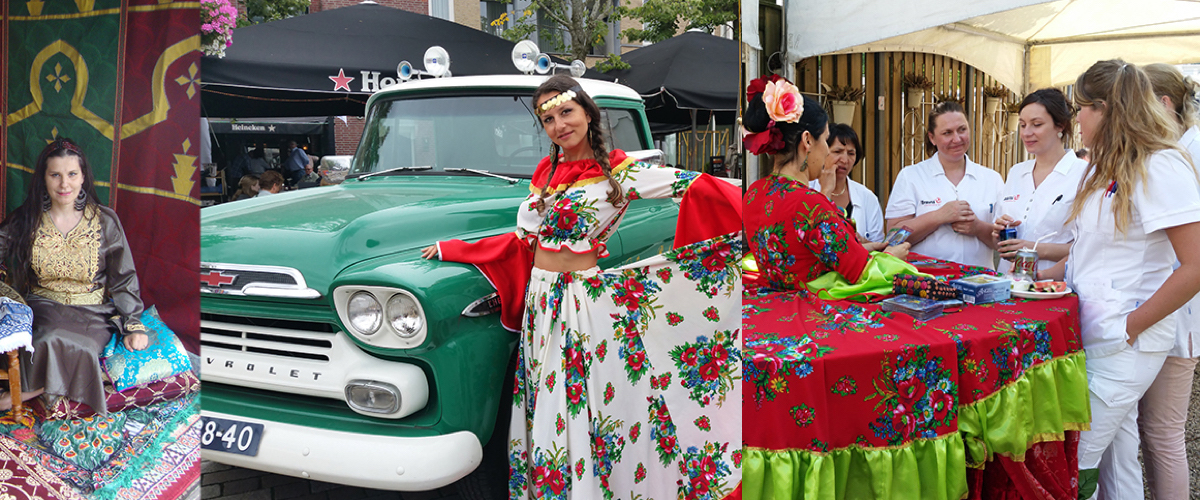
(341, 81)
(216, 278)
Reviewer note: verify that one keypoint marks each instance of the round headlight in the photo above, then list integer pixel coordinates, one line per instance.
(403, 315)
(365, 313)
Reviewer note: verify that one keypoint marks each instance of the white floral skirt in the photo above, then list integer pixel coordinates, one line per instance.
(628, 380)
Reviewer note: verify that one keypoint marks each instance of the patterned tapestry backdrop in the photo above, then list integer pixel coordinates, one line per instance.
(121, 77)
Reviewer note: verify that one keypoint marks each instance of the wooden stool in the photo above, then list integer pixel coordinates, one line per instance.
(13, 376)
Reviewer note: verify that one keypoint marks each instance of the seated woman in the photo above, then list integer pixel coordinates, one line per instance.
(68, 256)
(248, 188)
(860, 204)
(798, 237)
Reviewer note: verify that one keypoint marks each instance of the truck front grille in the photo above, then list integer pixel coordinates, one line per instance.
(283, 338)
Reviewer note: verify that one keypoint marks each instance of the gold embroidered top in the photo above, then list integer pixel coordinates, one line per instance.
(89, 265)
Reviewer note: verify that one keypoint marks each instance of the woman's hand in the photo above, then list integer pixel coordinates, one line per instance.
(828, 179)
(1008, 248)
(873, 246)
(956, 211)
(1002, 222)
(899, 251)
(429, 252)
(136, 341)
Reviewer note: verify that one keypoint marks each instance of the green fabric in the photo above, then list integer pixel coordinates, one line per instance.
(64, 64)
(86, 442)
(933, 469)
(1061, 404)
(876, 279)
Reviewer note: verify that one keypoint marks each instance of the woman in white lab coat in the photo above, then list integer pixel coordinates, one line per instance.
(1132, 218)
(947, 201)
(1038, 194)
(1163, 410)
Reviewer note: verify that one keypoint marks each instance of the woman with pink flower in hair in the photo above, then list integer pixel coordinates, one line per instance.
(799, 238)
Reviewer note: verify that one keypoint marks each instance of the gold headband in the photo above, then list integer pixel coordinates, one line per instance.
(555, 101)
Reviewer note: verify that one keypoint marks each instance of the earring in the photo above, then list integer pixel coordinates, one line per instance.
(1060, 134)
(45, 202)
(81, 201)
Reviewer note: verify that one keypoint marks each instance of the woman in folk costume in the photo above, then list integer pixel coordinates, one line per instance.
(627, 379)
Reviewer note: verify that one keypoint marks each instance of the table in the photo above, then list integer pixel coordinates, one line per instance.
(842, 400)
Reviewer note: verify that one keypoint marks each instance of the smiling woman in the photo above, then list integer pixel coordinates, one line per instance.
(947, 201)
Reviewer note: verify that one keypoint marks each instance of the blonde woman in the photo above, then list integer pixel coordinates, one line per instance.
(1163, 410)
(1132, 218)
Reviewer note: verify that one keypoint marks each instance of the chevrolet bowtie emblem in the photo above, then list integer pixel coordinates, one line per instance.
(216, 278)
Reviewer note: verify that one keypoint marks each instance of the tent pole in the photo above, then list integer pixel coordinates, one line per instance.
(694, 151)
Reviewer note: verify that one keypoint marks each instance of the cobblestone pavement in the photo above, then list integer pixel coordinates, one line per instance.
(223, 482)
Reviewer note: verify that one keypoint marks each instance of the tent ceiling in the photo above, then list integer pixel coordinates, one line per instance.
(1021, 43)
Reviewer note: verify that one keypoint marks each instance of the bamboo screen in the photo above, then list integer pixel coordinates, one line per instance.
(893, 133)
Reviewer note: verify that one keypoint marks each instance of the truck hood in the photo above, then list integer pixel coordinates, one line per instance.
(321, 231)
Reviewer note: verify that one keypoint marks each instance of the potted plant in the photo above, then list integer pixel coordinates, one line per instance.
(945, 97)
(915, 86)
(992, 97)
(1014, 118)
(843, 100)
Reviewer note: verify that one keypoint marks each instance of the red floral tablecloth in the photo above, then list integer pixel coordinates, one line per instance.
(845, 401)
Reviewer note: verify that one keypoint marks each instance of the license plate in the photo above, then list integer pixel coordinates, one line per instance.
(230, 436)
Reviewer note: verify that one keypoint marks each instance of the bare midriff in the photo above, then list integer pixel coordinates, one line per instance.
(565, 261)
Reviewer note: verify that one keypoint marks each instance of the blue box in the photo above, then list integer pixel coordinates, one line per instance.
(983, 288)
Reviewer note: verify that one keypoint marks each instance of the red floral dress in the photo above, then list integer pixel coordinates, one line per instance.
(627, 379)
(796, 234)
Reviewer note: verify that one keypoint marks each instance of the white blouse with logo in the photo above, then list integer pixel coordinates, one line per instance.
(1114, 273)
(1044, 209)
(923, 187)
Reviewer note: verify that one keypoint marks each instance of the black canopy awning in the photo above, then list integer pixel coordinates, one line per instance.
(328, 63)
(692, 71)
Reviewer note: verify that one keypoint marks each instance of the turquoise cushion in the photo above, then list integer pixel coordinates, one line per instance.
(162, 358)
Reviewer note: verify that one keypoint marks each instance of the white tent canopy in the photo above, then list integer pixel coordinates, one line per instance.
(1024, 44)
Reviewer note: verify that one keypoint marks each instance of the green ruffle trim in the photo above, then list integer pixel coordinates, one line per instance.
(1061, 404)
(876, 279)
(151, 455)
(933, 469)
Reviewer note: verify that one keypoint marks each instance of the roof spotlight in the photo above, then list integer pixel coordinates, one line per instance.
(405, 71)
(437, 61)
(524, 55)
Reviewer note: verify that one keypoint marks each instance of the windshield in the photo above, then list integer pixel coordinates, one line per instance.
(495, 133)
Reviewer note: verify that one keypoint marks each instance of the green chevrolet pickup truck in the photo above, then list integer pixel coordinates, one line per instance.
(332, 351)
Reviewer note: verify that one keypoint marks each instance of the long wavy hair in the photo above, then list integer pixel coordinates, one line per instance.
(1133, 126)
(23, 222)
(558, 84)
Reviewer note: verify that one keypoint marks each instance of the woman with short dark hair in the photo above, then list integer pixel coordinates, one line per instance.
(859, 203)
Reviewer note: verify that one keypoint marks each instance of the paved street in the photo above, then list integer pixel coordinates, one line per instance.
(222, 482)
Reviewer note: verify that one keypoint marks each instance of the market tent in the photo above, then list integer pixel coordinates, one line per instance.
(328, 63)
(684, 80)
(1024, 44)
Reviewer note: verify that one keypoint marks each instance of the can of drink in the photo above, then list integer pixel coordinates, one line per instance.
(1008, 233)
(1025, 265)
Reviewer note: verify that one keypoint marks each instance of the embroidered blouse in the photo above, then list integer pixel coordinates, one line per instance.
(796, 234)
(577, 216)
(88, 265)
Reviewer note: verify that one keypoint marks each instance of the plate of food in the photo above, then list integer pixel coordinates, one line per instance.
(1040, 289)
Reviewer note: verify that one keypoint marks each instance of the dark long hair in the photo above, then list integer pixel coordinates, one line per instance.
(24, 221)
(558, 84)
(813, 120)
